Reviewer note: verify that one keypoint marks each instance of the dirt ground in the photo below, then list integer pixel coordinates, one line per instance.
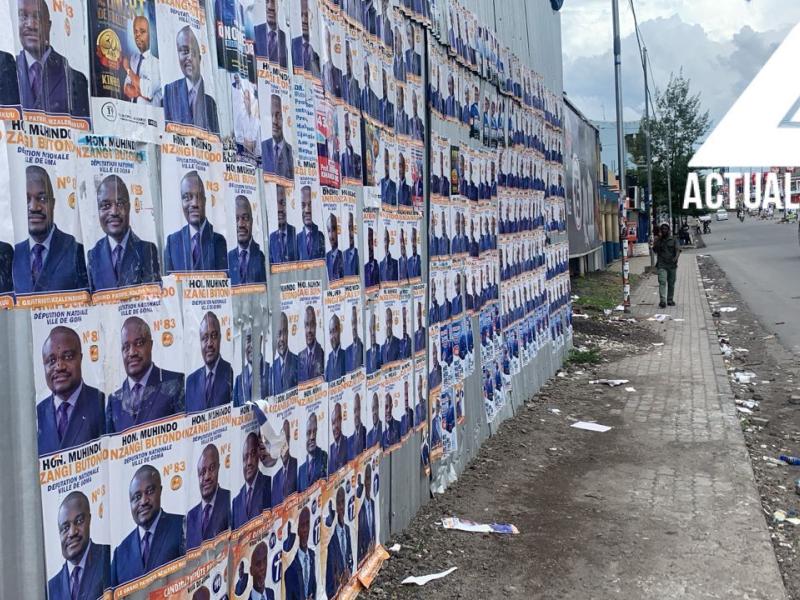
(519, 471)
(774, 427)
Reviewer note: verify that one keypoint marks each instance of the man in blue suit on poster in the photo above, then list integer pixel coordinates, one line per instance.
(256, 493)
(457, 303)
(414, 261)
(390, 351)
(285, 365)
(212, 384)
(388, 187)
(405, 341)
(120, 258)
(49, 260)
(148, 392)
(258, 571)
(385, 106)
(369, 101)
(357, 442)
(303, 53)
(339, 565)
(212, 515)
(270, 40)
(243, 384)
(315, 466)
(310, 241)
(246, 263)
(367, 519)
(334, 259)
(351, 90)
(284, 481)
(421, 410)
(339, 447)
(85, 573)
(312, 357)
(185, 99)
(402, 262)
(375, 434)
(157, 538)
(435, 309)
(421, 334)
(389, 270)
(46, 80)
(407, 420)
(72, 414)
(351, 161)
(276, 152)
(374, 357)
(336, 366)
(351, 259)
(372, 275)
(403, 190)
(301, 576)
(282, 241)
(391, 430)
(195, 247)
(354, 355)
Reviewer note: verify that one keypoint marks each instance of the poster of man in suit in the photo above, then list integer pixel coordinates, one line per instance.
(149, 499)
(388, 250)
(420, 395)
(334, 252)
(300, 537)
(374, 409)
(117, 213)
(332, 38)
(194, 213)
(51, 61)
(207, 580)
(367, 506)
(125, 78)
(247, 261)
(76, 525)
(349, 236)
(256, 565)
(305, 28)
(312, 454)
(350, 158)
(278, 147)
(207, 344)
(354, 417)
(144, 370)
(208, 490)
(338, 539)
(393, 408)
(68, 377)
(271, 36)
(189, 91)
(307, 219)
(337, 329)
(48, 253)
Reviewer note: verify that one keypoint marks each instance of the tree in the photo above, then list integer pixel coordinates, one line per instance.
(676, 128)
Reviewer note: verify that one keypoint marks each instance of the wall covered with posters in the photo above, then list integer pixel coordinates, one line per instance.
(281, 267)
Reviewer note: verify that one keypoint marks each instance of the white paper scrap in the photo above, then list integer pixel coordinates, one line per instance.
(591, 426)
(423, 579)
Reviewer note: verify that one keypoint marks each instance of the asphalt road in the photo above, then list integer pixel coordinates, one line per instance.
(762, 261)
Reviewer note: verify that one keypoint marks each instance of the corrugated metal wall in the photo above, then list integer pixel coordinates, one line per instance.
(531, 29)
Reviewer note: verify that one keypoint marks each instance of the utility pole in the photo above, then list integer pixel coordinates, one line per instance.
(650, 208)
(621, 213)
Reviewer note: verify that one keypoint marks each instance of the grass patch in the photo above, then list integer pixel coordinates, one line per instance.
(599, 291)
(584, 357)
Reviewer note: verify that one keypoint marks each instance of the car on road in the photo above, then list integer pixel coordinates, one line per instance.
(722, 215)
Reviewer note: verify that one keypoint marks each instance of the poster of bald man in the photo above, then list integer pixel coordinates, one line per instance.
(388, 250)
(148, 477)
(187, 75)
(256, 568)
(393, 408)
(193, 207)
(371, 238)
(206, 579)
(48, 253)
(278, 145)
(75, 511)
(6, 230)
(336, 328)
(299, 539)
(118, 215)
(337, 547)
(247, 261)
(307, 219)
(373, 409)
(332, 47)
(308, 339)
(334, 253)
(69, 346)
(367, 510)
(420, 394)
(125, 78)
(348, 241)
(305, 46)
(207, 343)
(144, 367)
(311, 451)
(208, 481)
(52, 62)
(350, 162)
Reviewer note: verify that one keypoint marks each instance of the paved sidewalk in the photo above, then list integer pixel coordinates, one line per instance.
(680, 478)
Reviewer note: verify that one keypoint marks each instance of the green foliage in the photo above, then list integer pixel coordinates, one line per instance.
(584, 357)
(599, 291)
(675, 131)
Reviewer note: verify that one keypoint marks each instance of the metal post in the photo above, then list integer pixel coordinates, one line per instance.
(650, 207)
(669, 193)
(621, 213)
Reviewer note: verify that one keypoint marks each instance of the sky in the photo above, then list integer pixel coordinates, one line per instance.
(719, 44)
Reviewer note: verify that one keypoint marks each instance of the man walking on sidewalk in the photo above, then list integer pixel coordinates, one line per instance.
(666, 249)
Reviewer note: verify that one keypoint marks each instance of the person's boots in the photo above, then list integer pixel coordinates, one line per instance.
(662, 304)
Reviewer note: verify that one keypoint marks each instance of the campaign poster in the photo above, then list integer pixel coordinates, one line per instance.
(439, 243)
(393, 348)
(300, 542)
(332, 46)
(348, 236)
(439, 310)
(303, 301)
(374, 408)
(189, 94)
(350, 163)
(147, 471)
(386, 92)
(144, 364)
(288, 339)
(410, 261)
(338, 536)
(440, 169)
(353, 75)
(73, 338)
(407, 414)
(446, 354)
(435, 89)
(10, 106)
(420, 387)
(392, 389)
(126, 91)
(271, 35)
(206, 581)
(307, 219)
(332, 217)
(282, 240)
(6, 227)
(193, 207)
(75, 519)
(488, 393)
(278, 131)
(413, 53)
(328, 136)
(419, 316)
(340, 405)
(417, 175)
(355, 415)
(405, 181)
(458, 398)
(459, 245)
(117, 200)
(41, 158)
(256, 553)
(305, 46)
(455, 358)
(435, 403)
(310, 451)
(56, 32)
(371, 89)
(372, 272)
(373, 162)
(388, 250)
(247, 267)
(335, 327)
(447, 409)
(386, 172)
